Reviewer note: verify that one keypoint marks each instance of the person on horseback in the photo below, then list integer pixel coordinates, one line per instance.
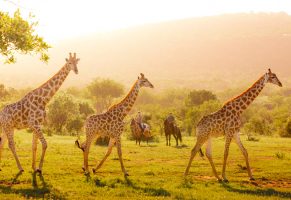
(139, 120)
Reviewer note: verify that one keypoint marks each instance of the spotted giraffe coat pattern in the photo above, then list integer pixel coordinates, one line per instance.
(111, 124)
(29, 112)
(226, 122)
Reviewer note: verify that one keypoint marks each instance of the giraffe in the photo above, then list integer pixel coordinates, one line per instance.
(111, 124)
(227, 122)
(29, 112)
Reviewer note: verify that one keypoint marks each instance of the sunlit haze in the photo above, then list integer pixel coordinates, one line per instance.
(66, 19)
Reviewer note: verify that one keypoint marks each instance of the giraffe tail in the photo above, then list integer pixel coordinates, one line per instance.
(78, 145)
(201, 153)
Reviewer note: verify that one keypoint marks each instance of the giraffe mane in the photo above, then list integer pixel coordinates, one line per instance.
(122, 101)
(247, 90)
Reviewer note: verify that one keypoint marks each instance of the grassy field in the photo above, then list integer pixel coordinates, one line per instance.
(156, 171)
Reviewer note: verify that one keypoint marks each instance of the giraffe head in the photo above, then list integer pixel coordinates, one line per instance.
(144, 82)
(272, 78)
(72, 62)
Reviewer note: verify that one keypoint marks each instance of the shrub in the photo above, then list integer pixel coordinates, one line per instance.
(75, 125)
(61, 110)
(286, 130)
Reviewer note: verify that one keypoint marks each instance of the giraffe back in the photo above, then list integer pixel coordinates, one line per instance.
(23, 113)
(105, 124)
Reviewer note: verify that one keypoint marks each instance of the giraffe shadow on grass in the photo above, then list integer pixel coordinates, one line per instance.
(43, 191)
(114, 183)
(149, 190)
(270, 192)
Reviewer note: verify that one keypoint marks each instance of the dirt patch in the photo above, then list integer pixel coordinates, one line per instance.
(267, 183)
(204, 178)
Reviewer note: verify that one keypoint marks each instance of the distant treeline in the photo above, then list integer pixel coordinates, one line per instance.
(269, 114)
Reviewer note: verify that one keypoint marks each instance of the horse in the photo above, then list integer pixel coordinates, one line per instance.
(140, 130)
(171, 128)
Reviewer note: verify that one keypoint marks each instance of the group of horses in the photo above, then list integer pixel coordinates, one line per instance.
(142, 131)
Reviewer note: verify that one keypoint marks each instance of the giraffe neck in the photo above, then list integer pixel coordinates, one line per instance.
(126, 104)
(241, 102)
(49, 88)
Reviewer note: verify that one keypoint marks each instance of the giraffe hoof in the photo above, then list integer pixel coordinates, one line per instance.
(219, 180)
(252, 179)
(225, 180)
(38, 171)
(94, 171)
(20, 171)
(83, 168)
(126, 174)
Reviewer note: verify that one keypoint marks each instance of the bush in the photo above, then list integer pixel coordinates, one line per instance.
(286, 130)
(257, 125)
(85, 109)
(197, 97)
(102, 141)
(61, 111)
(74, 126)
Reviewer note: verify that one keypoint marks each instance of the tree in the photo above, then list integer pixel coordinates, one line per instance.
(194, 114)
(258, 125)
(104, 91)
(197, 97)
(85, 109)
(17, 36)
(3, 92)
(62, 110)
(75, 125)
(286, 130)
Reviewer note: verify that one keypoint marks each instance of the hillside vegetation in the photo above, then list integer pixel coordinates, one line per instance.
(205, 53)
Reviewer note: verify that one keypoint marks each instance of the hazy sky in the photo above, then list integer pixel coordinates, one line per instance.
(59, 19)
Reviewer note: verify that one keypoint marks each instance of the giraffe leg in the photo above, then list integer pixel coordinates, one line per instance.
(110, 145)
(245, 154)
(166, 139)
(169, 139)
(40, 136)
(86, 154)
(194, 151)
(118, 145)
(2, 143)
(34, 148)
(209, 156)
(11, 145)
(226, 150)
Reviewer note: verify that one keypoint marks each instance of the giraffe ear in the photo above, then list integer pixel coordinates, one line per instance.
(138, 77)
(67, 60)
(269, 71)
(142, 75)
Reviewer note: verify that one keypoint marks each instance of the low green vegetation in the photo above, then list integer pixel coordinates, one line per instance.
(268, 115)
(156, 171)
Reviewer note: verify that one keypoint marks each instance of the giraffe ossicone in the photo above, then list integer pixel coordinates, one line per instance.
(111, 124)
(29, 112)
(227, 121)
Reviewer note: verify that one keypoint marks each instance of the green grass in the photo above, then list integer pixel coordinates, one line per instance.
(156, 171)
